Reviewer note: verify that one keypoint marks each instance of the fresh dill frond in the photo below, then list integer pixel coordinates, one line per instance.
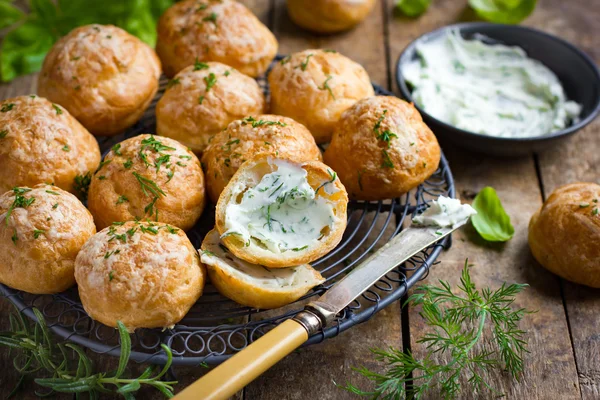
(457, 324)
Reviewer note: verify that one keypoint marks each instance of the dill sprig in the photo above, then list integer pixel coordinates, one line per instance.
(148, 185)
(70, 368)
(458, 323)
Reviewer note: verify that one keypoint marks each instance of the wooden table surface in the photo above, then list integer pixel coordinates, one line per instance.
(563, 336)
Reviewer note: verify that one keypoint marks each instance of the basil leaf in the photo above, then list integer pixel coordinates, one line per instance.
(412, 8)
(9, 14)
(503, 11)
(491, 221)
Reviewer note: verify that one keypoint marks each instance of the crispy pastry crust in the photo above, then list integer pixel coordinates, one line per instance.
(329, 16)
(116, 191)
(564, 234)
(104, 76)
(224, 31)
(40, 142)
(148, 276)
(372, 168)
(192, 112)
(39, 242)
(315, 87)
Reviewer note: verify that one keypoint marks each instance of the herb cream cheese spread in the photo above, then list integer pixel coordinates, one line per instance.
(282, 211)
(491, 89)
(445, 212)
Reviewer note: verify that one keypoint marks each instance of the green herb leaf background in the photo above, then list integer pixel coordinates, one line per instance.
(33, 34)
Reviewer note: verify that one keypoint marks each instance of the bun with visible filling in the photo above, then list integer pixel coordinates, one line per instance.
(203, 99)
(279, 213)
(564, 234)
(249, 137)
(214, 30)
(148, 177)
(381, 149)
(254, 285)
(315, 87)
(329, 16)
(41, 231)
(103, 75)
(146, 275)
(40, 142)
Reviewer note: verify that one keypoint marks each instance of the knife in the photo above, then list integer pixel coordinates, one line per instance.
(241, 369)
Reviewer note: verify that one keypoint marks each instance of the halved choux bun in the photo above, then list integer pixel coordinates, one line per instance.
(41, 142)
(315, 87)
(246, 138)
(144, 274)
(203, 99)
(329, 16)
(254, 285)
(381, 149)
(104, 76)
(279, 213)
(564, 234)
(214, 30)
(148, 178)
(41, 231)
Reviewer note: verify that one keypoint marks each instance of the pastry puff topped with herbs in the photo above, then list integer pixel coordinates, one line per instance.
(144, 274)
(103, 75)
(279, 213)
(381, 149)
(148, 177)
(214, 30)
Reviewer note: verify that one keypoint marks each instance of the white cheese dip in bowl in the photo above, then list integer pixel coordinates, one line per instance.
(499, 89)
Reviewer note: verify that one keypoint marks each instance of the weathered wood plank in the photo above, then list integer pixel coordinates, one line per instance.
(578, 159)
(550, 368)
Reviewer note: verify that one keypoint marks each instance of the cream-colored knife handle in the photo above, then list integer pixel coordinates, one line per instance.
(241, 369)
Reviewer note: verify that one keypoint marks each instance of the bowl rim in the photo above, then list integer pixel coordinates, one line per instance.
(406, 93)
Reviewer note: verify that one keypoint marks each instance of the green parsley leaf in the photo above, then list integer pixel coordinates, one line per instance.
(210, 81)
(3, 134)
(173, 82)
(7, 107)
(491, 221)
(116, 149)
(66, 148)
(122, 199)
(412, 8)
(503, 11)
(198, 65)
(37, 233)
(57, 108)
(211, 18)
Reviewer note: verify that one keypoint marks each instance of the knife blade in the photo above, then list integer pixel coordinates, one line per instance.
(397, 251)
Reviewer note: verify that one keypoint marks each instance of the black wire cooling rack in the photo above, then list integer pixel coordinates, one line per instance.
(216, 327)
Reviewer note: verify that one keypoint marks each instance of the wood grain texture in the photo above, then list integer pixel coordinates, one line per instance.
(576, 160)
(550, 370)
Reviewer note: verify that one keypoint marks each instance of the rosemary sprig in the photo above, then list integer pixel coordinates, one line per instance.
(457, 324)
(38, 351)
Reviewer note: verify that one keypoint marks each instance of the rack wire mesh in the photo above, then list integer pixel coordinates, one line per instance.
(216, 327)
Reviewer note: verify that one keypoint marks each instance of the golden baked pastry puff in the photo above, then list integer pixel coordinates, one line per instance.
(144, 274)
(381, 149)
(40, 142)
(41, 231)
(249, 137)
(148, 177)
(279, 213)
(203, 99)
(564, 234)
(315, 87)
(329, 16)
(104, 76)
(214, 30)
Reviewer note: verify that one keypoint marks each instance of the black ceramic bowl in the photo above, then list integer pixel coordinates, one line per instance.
(575, 70)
